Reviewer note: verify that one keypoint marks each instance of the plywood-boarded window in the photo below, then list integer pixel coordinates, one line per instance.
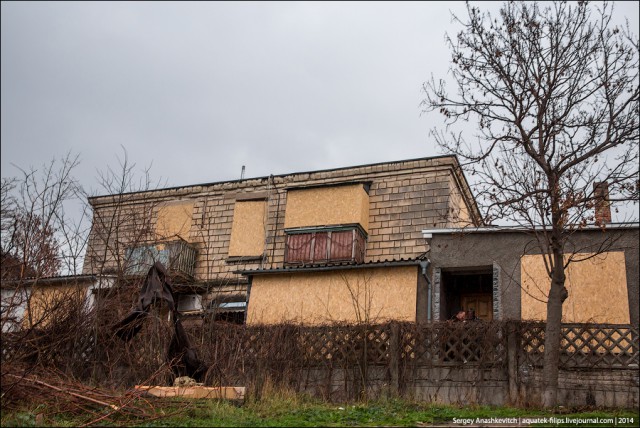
(597, 289)
(248, 229)
(316, 298)
(324, 206)
(46, 301)
(174, 220)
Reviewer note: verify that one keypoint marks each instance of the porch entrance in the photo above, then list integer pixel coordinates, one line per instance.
(468, 289)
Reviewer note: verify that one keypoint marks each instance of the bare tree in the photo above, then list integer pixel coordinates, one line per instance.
(123, 220)
(44, 219)
(7, 207)
(33, 216)
(33, 250)
(554, 90)
(39, 239)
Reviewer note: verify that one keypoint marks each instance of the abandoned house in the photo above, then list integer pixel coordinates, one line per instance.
(343, 244)
(33, 302)
(390, 241)
(499, 272)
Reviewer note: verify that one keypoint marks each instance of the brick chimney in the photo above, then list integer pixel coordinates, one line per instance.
(602, 204)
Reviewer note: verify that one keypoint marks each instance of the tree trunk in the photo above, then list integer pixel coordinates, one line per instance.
(552, 334)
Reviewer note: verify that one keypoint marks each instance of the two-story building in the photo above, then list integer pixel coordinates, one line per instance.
(334, 245)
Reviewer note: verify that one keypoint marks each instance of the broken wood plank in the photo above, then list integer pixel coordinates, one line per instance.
(223, 392)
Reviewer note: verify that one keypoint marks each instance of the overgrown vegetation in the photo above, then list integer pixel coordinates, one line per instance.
(72, 369)
(281, 408)
(335, 361)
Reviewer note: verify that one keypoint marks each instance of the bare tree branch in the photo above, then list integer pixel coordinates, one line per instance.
(554, 90)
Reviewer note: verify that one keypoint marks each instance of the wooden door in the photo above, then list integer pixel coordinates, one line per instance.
(481, 303)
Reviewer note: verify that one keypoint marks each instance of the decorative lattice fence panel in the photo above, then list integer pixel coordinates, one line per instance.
(583, 345)
(454, 343)
(334, 346)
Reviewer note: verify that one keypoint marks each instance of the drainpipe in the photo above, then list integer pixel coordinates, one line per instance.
(246, 308)
(424, 264)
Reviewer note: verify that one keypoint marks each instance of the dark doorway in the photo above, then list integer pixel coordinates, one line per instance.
(463, 290)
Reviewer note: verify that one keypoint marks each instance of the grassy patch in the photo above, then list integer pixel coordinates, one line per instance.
(304, 412)
(291, 410)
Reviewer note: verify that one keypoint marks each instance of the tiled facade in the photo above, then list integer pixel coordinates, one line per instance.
(405, 197)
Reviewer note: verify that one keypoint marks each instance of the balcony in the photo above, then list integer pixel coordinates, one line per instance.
(177, 256)
(325, 245)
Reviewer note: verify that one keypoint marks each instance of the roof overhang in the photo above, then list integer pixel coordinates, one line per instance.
(331, 267)
(428, 233)
(58, 280)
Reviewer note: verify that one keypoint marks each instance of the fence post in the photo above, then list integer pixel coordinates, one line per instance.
(512, 361)
(394, 356)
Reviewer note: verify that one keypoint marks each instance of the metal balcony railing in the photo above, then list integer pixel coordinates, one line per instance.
(177, 256)
(325, 245)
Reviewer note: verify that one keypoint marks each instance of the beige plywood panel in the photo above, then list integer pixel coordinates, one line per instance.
(597, 289)
(216, 392)
(174, 220)
(48, 302)
(248, 229)
(327, 206)
(373, 295)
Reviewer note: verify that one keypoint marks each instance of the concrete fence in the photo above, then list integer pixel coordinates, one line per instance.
(492, 363)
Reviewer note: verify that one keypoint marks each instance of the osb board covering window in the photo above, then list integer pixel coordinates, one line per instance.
(247, 231)
(174, 220)
(46, 302)
(597, 289)
(313, 298)
(327, 206)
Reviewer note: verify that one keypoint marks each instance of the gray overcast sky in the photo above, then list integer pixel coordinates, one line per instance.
(203, 88)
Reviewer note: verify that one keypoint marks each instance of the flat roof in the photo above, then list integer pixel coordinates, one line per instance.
(427, 233)
(278, 175)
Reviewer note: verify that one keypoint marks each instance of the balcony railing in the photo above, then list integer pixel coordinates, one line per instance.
(177, 256)
(317, 246)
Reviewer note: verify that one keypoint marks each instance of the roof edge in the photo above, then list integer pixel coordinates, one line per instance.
(369, 265)
(427, 233)
(187, 186)
(54, 279)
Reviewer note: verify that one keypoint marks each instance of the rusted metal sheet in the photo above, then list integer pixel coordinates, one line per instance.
(299, 247)
(321, 247)
(325, 246)
(342, 245)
